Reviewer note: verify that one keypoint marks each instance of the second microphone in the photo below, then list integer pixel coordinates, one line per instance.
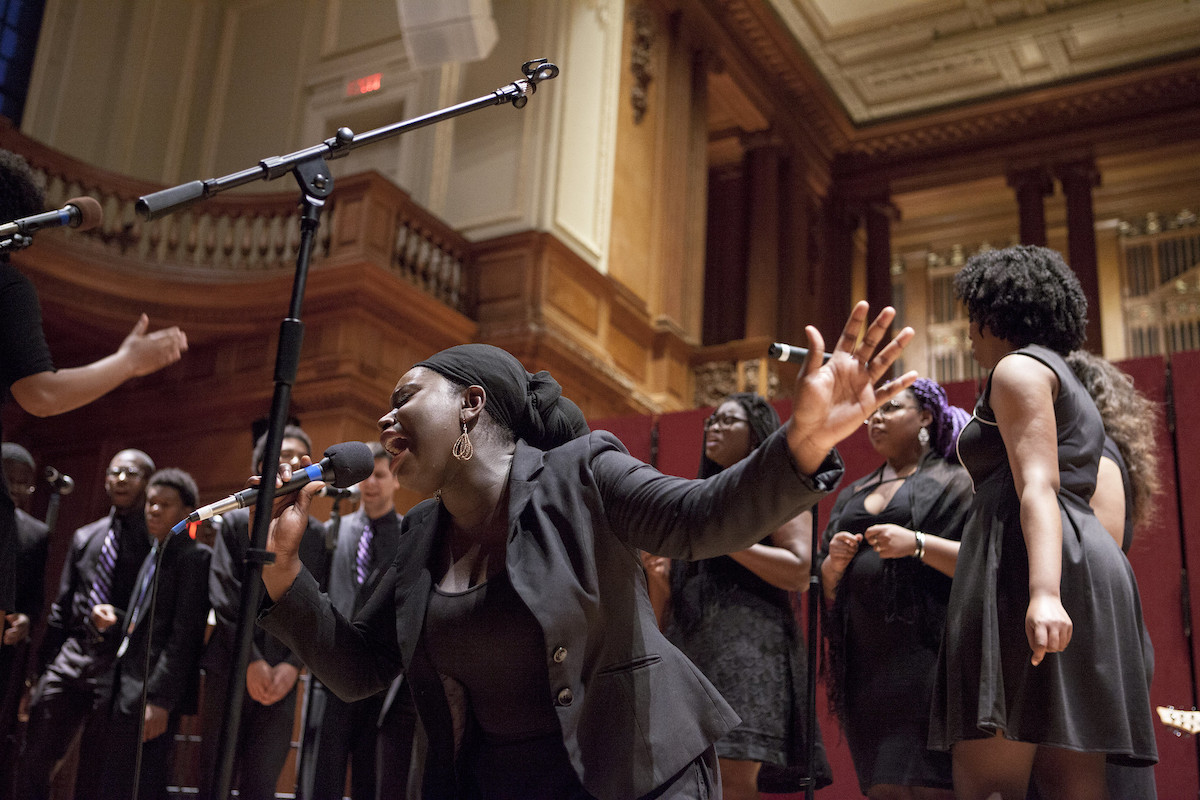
(344, 465)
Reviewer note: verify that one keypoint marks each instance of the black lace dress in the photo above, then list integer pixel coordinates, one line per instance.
(741, 632)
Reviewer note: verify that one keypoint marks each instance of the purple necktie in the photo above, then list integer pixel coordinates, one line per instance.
(102, 585)
(149, 566)
(362, 560)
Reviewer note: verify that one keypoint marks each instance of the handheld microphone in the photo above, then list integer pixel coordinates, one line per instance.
(60, 483)
(343, 465)
(79, 212)
(791, 353)
(339, 494)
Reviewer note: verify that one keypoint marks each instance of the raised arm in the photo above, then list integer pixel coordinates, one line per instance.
(833, 399)
(45, 394)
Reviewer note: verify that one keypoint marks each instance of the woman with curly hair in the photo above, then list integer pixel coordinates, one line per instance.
(886, 601)
(732, 616)
(1044, 667)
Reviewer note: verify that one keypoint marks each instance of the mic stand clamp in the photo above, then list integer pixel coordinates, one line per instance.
(18, 241)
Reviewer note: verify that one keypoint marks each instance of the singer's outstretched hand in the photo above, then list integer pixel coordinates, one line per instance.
(288, 523)
(51, 392)
(150, 352)
(833, 399)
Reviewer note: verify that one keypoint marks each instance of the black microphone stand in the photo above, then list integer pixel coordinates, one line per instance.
(316, 184)
(59, 486)
(810, 719)
(160, 547)
(332, 529)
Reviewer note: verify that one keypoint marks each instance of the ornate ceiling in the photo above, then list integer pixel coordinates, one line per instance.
(891, 58)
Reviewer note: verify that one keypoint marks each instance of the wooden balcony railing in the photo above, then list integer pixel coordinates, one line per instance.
(238, 236)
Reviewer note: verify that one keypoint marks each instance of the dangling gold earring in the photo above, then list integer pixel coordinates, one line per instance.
(462, 449)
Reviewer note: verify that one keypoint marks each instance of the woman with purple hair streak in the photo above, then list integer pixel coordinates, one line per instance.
(889, 553)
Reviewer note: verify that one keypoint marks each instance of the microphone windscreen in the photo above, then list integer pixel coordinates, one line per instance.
(351, 462)
(90, 213)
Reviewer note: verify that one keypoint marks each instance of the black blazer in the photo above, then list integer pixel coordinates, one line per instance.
(347, 595)
(70, 645)
(180, 616)
(633, 709)
(225, 592)
(33, 548)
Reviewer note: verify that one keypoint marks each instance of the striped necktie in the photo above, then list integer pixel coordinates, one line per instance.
(362, 560)
(105, 565)
(150, 566)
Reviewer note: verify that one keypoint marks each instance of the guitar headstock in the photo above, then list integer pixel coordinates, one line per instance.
(1180, 720)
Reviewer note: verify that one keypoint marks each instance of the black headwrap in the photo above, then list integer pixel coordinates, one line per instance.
(529, 405)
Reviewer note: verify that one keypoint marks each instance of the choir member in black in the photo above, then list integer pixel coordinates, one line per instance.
(1126, 484)
(889, 553)
(1045, 659)
(269, 703)
(33, 541)
(82, 635)
(27, 371)
(517, 605)
(337, 732)
(162, 635)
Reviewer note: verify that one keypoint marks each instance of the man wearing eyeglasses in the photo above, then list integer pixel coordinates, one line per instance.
(269, 702)
(80, 644)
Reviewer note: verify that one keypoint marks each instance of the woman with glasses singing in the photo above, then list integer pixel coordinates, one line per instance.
(888, 556)
(732, 615)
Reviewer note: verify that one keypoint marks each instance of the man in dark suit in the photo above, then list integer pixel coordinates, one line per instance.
(337, 732)
(82, 637)
(33, 543)
(159, 656)
(269, 703)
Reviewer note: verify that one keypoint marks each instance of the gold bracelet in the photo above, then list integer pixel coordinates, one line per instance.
(920, 554)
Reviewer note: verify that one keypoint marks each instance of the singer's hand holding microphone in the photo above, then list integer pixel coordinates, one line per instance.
(343, 465)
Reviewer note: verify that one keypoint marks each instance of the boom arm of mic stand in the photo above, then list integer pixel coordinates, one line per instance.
(167, 201)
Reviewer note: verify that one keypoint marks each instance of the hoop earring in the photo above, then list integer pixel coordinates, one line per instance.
(922, 437)
(463, 449)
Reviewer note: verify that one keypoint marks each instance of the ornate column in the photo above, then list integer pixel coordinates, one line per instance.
(878, 214)
(763, 163)
(1031, 186)
(1078, 178)
(842, 221)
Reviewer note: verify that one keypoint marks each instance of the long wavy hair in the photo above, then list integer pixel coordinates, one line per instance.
(1130, 419)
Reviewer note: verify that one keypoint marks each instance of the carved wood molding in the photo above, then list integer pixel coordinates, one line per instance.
(640, 62)
(1095, 103)
(1107, 101)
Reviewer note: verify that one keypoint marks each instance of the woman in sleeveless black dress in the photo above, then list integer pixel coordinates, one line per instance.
(1044, 668)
